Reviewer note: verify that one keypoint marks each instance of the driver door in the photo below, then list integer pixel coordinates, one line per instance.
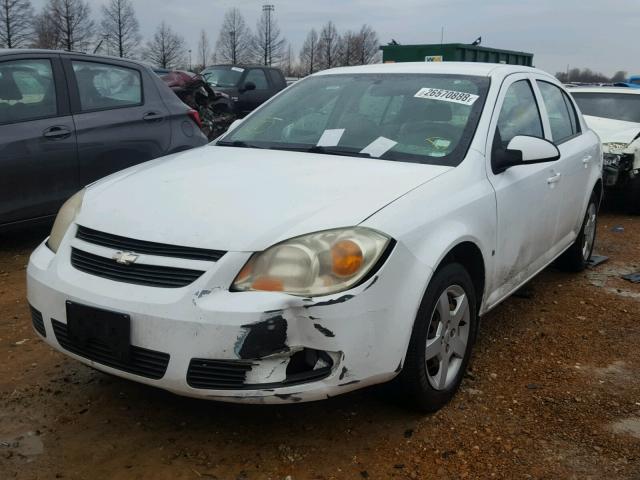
(527, 199)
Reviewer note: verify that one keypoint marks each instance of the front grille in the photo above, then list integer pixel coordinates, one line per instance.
(143, 362)
(217, 374)
(37, 321)
(151, 248)
(149, 275)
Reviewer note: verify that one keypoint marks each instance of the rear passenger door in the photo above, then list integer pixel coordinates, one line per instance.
(38, 158)
(564, 130)
(119, 115)
(252, 99)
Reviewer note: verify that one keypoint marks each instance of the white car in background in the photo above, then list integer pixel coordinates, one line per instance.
(614, 114)
(350, 231)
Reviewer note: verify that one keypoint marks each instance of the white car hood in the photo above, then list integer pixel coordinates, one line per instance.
(240, 199)
(613, 131)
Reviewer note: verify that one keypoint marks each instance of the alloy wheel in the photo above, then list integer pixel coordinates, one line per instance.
(447, 337)
(589, 234)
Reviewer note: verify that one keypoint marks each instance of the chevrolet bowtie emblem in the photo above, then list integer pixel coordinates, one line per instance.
(125, 258)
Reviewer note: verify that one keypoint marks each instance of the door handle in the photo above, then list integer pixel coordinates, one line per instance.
(152, 117)
(554, 179)
(56, 133)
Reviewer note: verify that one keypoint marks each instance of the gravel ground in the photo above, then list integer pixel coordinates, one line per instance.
(553, 392)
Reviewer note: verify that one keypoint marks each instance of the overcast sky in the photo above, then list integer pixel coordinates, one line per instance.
(599, 34)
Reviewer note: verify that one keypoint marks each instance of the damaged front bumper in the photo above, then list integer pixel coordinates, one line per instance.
(256, 347)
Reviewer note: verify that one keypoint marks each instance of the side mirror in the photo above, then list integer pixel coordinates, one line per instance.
(523, 149)
(248, 86)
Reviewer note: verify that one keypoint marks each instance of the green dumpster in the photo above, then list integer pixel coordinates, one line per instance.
(453, 52)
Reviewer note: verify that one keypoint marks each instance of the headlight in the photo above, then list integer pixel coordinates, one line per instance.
(611, 159)
(67, 214)
(316, 264)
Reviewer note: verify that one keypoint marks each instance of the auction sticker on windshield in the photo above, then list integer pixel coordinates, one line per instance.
(447, 96)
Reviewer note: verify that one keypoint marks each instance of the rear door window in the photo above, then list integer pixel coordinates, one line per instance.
(103, 86)
(27, 91)
(561, 118)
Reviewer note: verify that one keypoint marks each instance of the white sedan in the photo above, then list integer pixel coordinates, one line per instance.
(350, 231)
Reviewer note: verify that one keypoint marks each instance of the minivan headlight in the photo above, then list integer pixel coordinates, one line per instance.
(316, 264)
(66, 215)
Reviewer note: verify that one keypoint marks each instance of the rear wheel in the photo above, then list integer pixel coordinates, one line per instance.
(576, 257)
(442, 339)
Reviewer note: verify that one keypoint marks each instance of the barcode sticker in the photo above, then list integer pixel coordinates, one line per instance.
(447, 96)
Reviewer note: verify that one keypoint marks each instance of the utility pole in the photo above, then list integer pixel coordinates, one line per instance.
(267, 9)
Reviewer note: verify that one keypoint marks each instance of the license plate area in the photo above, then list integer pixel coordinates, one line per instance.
(101, 328)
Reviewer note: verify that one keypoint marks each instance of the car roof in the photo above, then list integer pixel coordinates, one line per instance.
(459, 68)
(240, 65)
(31, 51)
(621, 90)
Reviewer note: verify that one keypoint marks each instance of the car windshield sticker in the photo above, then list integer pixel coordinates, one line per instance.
(330, 138)
(379, 147)
(447, 96)
(237, 69)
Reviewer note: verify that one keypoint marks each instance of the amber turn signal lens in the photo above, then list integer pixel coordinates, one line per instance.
(268, 284)
(245, 272)
(347, 258)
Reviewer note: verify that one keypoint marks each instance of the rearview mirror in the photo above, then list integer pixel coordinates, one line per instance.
(522, 150)
(248, 86)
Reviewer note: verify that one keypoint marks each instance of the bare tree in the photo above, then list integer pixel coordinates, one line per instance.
(268, 44)
(309, 53)
(72, 22)
(166, 49)
(348, 49)
(45, 32)
(367, 45)
(234, 41)
(619, 76)
(204, 50)
(120, 27)
(15, 23)
(287, 64)
(328, 46)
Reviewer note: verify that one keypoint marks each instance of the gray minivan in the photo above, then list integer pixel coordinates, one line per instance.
(67, 119)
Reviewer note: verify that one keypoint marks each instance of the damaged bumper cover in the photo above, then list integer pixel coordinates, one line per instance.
(255, 347)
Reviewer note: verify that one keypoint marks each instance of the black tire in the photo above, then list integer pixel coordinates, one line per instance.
(416, 377)
(576, 257)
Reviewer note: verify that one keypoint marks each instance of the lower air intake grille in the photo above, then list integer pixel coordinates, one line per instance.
(149, 275)
(143, 362)
(217, 374)
(37, 321)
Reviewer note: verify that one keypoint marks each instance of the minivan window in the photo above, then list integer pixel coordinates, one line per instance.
(257, 76)
(422, 118)
(27, 90)
(562, 128)
(519, 114)
(103, 86)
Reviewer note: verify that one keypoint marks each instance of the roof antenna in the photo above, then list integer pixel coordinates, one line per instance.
(477, 42)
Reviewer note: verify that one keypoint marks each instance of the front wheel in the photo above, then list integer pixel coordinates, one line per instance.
(441, 340)
(576, 257)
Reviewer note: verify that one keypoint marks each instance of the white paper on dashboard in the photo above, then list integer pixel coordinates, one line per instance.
(379, 147)
(330, 138)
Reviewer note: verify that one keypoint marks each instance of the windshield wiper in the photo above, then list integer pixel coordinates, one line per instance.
(237, 143)
(323, 150)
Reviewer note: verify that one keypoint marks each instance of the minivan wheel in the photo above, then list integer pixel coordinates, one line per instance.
(576, 257)
(441, 341)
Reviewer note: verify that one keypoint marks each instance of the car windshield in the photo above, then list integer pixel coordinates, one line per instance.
(405, 117)
(223, 76)
(617, 106)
